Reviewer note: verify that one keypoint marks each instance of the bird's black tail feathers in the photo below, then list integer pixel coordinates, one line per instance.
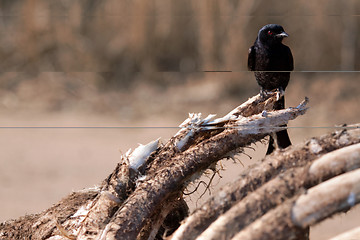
(282, 137)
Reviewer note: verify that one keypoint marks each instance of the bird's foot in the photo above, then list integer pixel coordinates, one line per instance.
(264, 93)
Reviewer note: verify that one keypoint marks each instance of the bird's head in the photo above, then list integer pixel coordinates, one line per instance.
(272, 34)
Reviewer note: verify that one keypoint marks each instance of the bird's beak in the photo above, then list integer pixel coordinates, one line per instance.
(282, 35)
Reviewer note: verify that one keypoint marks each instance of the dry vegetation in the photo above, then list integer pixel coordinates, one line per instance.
(128, 41)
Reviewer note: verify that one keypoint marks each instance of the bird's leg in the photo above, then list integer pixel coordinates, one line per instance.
(279, 93)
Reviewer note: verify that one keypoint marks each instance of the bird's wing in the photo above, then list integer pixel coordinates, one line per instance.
(291, 60)
(252, 58)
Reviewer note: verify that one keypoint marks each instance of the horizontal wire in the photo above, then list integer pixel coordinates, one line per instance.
(109, 14)
(206, 127)
(81, 127)
(205, 71)
(295, 71)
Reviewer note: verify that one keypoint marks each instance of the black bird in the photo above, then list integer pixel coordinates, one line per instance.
(272, 62)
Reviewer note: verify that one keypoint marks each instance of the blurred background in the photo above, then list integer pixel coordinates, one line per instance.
(148, 64)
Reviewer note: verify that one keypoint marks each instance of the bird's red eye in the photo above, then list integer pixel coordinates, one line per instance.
(270, 33)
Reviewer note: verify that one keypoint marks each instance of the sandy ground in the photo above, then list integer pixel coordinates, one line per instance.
(40, 166)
